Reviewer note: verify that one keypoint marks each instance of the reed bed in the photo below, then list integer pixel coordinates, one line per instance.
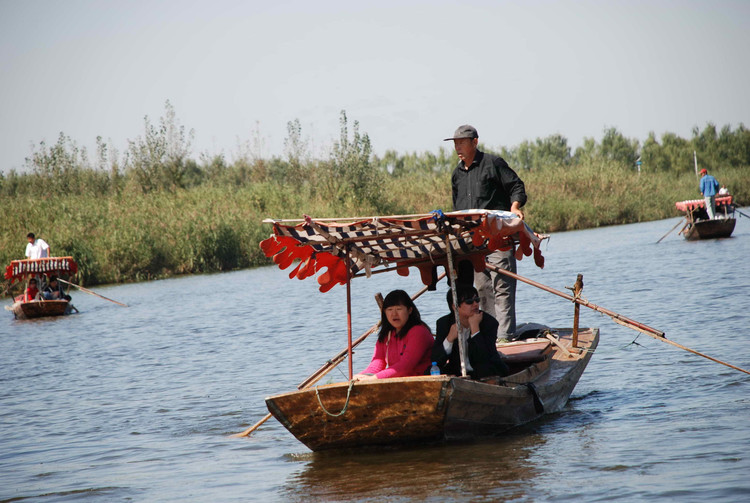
(132, 236)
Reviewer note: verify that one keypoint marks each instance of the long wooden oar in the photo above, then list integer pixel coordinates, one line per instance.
(313, 378)
(670, 230)
(327, 367)
(687, 224)
(92, 293)
(617, 318)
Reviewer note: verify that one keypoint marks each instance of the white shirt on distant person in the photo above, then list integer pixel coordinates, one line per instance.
(39, 249)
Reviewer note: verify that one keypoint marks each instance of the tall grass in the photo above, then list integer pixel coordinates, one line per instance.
(133, 236)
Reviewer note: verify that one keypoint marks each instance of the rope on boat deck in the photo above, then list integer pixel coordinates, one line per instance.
(348, 392)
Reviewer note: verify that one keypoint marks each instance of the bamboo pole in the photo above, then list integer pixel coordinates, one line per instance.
(687, 223)
(576, 289)
(332, 363)
(349, 310)
(617, 318)
(670, 230)
(453, 281)
(343, 219)
(92, 293)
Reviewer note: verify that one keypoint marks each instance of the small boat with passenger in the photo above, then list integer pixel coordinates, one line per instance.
(38, 273)
(545, 364)
(698, 225)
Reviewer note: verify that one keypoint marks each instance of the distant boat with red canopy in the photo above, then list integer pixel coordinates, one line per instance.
(40, 268)
(700, 226)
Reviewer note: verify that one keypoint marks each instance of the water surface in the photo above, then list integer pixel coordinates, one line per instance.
(136, 404)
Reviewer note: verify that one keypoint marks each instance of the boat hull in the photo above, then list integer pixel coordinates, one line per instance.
(40, 309)
(710, 229)
(432, 408)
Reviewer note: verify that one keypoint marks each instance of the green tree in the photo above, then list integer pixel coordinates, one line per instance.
(159, 159)
(57, 168)
(520, 157)
(551, 151)
(706, 145)
(586, 152)
(352, 177)
(653, 156)
(297, 155)
(678, 151)
(734, 147)
(616, 147)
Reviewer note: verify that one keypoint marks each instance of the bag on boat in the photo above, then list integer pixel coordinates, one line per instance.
(529, 331)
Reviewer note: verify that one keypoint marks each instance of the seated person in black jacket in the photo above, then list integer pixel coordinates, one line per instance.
(480, 331)
(54, 290)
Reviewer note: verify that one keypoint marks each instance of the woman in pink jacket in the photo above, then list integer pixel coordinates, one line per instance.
(404, 344)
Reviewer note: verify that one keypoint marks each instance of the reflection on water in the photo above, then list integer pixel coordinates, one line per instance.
(491, 470)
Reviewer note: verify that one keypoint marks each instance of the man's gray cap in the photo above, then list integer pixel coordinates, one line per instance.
(464, 131)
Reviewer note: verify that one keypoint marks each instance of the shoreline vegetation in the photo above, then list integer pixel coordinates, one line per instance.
(155, 212)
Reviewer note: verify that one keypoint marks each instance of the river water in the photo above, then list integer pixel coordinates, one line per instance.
(136, 403)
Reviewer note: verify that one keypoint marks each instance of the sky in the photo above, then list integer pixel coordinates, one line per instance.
(410, 72)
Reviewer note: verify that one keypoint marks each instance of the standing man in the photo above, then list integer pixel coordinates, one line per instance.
(709, 188)
(37, 248)
(485, 181)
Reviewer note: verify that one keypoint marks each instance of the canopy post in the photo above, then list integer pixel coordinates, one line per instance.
(349, 311)
(577, 288)
(453, 279)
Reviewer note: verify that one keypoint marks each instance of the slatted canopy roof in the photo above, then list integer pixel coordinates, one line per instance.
(19, 269)
(379, 244)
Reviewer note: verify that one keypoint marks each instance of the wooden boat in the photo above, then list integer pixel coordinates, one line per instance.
(424, 408)
(435, 408)
(38, 268)
(40, 308)
(699, 226)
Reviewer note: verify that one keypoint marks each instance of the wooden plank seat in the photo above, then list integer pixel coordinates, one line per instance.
(528, 351)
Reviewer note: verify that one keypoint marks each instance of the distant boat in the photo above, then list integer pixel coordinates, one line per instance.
(39, 307)
(699, 226)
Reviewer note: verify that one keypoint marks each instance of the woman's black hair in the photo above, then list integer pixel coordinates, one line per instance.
(398, 298)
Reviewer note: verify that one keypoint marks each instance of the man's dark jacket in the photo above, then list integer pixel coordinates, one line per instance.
(481, 349)
(489, 184)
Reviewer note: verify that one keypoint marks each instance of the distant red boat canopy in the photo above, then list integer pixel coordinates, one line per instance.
(700, 203)
(377, 244)
(18, 269)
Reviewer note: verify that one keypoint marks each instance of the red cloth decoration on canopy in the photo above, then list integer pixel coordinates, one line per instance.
(396, 242)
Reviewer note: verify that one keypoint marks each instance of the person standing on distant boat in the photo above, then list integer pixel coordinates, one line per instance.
(709, 188)
(485, 181)
(404, 342)
(37, 248)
